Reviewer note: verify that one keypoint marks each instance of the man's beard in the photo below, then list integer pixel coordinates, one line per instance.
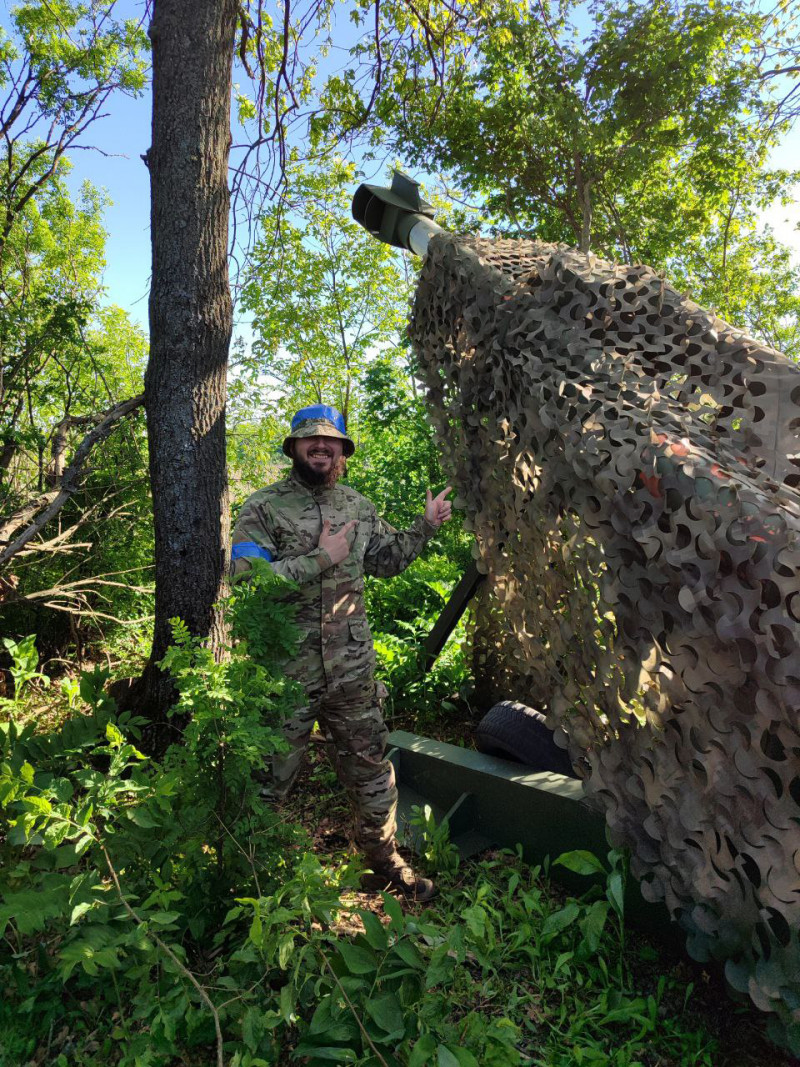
(306, 473)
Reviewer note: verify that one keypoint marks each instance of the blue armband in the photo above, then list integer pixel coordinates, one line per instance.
(250, 548)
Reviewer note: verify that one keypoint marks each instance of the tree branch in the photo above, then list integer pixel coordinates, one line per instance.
(53, 501)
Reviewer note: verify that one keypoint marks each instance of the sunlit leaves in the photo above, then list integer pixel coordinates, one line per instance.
(323, 295)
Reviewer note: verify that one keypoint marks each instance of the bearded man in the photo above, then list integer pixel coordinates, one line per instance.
(325, 536)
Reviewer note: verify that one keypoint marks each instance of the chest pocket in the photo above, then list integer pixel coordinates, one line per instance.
(359, 630)
(295, 538)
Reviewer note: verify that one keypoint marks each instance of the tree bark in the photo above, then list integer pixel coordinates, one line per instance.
(190, 323)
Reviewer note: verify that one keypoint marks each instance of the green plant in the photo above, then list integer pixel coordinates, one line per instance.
(433, 840)
(23, 669)
(373, 1000)
(160, 912)
(127, 868)
(403, 611)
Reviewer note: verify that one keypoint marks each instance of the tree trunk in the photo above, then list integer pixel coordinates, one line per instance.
(190, 323)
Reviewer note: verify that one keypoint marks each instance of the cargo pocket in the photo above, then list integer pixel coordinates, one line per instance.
(359, 630)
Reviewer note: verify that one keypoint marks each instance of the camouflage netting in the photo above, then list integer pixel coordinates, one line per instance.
(630, 465)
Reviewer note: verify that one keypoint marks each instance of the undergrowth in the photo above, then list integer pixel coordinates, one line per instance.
(155, 914)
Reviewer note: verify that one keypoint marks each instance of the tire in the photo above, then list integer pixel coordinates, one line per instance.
(515, 732)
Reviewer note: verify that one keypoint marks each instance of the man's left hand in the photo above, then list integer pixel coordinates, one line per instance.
(437, 509)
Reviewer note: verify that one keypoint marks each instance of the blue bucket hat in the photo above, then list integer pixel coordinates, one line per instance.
(319, 420)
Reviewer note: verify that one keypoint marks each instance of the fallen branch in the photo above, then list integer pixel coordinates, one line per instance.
(74, 593)
(54, 501)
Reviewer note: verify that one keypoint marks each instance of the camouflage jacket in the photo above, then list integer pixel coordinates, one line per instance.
(282, 524)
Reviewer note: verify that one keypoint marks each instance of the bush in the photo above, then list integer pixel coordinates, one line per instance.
(113, 865)
(161, 913)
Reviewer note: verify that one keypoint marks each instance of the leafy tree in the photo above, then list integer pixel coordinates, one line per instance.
(58, 71)
(58, 67)
(744, 272)
(323, 294)
(50, 275)
(65, 361)
(641, 131)
(624, 138)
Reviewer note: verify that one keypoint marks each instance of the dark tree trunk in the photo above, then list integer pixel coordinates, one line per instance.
(190, 323)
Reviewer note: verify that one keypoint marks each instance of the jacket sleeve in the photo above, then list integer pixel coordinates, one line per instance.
(253, 539)
(390, 551)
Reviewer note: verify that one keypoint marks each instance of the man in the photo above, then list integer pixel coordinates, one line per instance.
(326, 537)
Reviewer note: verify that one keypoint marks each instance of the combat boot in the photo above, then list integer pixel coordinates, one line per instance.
(395, 873)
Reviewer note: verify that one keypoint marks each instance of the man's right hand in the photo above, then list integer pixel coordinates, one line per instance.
(336, 545)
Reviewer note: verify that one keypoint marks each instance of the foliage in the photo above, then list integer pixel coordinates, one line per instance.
(747, 276)
(64, 358)
(121, 863)
(159, 911)
(419, 699)
(57, 70)
(624, 126)
(640, 131)
(433, 841)
(324, 296)
(24, 661)
(548, 977)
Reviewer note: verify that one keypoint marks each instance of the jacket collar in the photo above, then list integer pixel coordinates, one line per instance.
(318, 492)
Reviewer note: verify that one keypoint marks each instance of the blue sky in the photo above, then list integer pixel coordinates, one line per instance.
(124, 136)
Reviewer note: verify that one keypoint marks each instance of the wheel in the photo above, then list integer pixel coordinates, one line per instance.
(519, 733)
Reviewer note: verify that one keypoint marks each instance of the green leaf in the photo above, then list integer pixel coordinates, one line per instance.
(357, 959)
(560, 920)
(593, 923)
(38, 804)
(374, 931)
(287, 1002)
(465, 1058)
(441, 967)
(326, 1052)
(163, 918)
(562, 961)
(256, 930)
(387, 1013)
(580, 862)
(285, 949)
(476, 919)
(409, 954)
(142, 817)
(446, 1058)
(252, 1028)
(113, 735)
(79, 910)
(395, 913)
(615, 891)
(422, 1051)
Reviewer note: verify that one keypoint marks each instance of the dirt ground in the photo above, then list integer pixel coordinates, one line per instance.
(321, 807)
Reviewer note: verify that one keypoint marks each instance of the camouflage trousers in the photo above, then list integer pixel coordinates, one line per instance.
(349, 714)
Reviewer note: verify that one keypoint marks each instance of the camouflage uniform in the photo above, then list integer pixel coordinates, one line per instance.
(335, 662)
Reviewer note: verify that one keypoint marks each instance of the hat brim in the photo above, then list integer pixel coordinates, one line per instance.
(319, 429)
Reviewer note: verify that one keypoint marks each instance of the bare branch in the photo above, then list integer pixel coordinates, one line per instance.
(70, 480)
